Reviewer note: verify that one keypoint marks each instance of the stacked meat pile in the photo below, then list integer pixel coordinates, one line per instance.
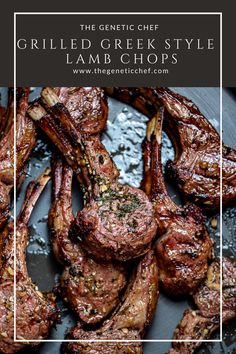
(125, 241)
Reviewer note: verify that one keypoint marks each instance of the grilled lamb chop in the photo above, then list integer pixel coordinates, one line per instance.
(207, 297)
(184, 249)
(201, 323)
(193, 326)
(6, 121)
(35, 313)
(25, 141)
(196, 167)
(130, 320)
(88, 110)
(87, 107)
(91, 288)
(117, 222)
(7, 115)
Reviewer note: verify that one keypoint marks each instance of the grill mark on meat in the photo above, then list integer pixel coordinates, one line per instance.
(92, 289)
(196, 167)
(25, 142)
(207, 297)
(90, 115)
(184, 248)
(193, 326)
(35, 313)
(201, 323)
(117, 221)
(129, 321)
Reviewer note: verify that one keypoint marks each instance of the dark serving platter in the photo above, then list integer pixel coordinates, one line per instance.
(123, 137)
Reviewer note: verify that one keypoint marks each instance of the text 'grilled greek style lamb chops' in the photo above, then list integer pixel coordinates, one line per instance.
(25, 142)
(201, 323)
(196, 167)
(117, 222)
(35, 313)
(184, 249)
(91, 288)
(130, 320)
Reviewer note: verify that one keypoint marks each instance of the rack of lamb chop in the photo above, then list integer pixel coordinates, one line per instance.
(128, 322)
(25, 142)
(35, 312)
(184, 248)
(88, 109)
(7, 114)
(92, 289)
(196, 166)
(199, 324)
(117, 221)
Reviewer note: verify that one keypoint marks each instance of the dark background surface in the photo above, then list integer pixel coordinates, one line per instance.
(123, 137)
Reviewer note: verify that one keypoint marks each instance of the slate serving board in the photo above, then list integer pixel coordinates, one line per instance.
(123, 137)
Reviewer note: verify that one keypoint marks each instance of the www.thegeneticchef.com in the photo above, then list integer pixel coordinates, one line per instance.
(122, 71)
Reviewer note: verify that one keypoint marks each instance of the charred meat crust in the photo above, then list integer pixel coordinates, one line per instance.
(92, 289)
(207, 297)
(87, 106)
(201, 323)
(129, 321)
(193, 326)
(117, 225)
